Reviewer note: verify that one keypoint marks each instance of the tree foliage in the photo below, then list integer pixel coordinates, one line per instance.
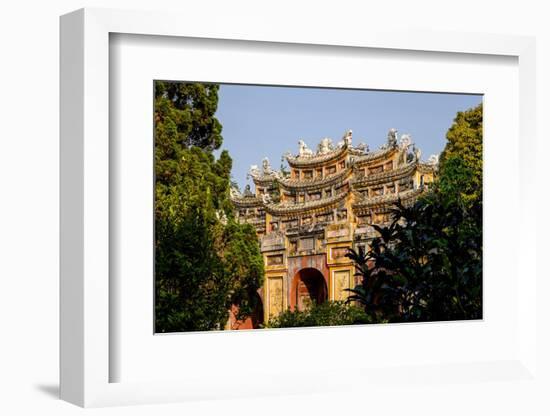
(427, 264)
(330, 313)
(204, 260)
(184, 115)
(461, 164)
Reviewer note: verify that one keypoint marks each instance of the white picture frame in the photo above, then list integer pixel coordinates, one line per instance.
(85, 355)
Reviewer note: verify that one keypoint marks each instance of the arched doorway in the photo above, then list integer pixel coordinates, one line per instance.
(258, 311)
(308, 286)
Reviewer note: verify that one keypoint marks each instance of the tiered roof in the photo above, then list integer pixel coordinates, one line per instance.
(385, 176)
(314, 183)
(316, 159)
(326, 152)
(289, 208)
(377, 155)
(246, 199)
(264, 176)
(384, 200)
(352, 162)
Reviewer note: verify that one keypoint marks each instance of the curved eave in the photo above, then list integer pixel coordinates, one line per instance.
(256, 222)
(383, 177)
(247, 202)
(264, 180)
(426, 168)
(311, 184)
(316, 160)
(282, 209)
(373, 157)
(384, 200)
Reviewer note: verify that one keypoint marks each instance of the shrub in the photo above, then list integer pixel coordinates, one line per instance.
(330, 313)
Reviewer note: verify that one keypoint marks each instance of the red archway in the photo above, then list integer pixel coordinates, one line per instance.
(251, 322)
(308, 286)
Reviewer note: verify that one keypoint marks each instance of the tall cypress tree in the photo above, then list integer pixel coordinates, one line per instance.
(204, 260)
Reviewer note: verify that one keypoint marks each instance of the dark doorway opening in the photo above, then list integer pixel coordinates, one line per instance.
(309, 286)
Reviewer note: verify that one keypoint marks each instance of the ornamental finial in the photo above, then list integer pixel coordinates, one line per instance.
(392, 137)
(266, 167)
(348, 137)
(303, 149)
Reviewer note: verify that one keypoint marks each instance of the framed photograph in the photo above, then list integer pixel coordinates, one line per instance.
(330, 237)
(291, 207)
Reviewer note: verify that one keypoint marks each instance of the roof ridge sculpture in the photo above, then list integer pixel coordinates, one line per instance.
(246, 198)
(433, 160)
(326, 151)
(263, 174)
(391, 145)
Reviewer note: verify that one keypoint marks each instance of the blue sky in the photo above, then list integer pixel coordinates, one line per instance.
(261, 121)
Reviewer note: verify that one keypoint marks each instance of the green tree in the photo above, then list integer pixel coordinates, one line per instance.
(204, 260)
(425, 266)
(184, 114)
(243, 264)
(461, 162)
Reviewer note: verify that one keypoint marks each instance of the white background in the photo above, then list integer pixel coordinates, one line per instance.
(137, 60)
(29, 205)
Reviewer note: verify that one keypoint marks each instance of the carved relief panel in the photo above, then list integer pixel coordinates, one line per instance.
(341, 282)
(275, 295)
(275, 260)
(338, 253)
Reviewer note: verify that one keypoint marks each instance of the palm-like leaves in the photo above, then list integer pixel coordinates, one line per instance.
(426, 265)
